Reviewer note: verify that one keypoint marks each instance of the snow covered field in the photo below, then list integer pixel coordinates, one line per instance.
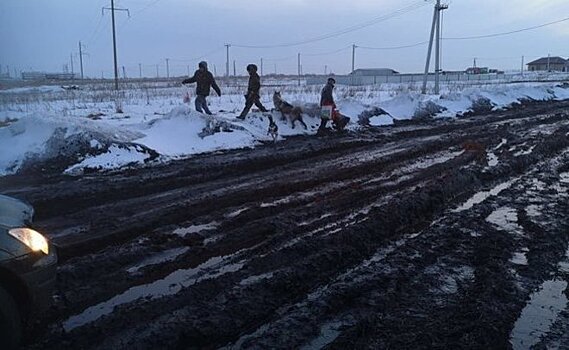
(93, 127)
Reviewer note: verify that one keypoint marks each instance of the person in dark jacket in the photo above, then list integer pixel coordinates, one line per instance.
(252, 97)
(327, 100)
(205, 82)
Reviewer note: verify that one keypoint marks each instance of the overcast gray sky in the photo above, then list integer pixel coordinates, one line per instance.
(42, 34)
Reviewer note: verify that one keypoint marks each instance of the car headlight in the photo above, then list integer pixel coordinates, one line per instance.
(33, 239)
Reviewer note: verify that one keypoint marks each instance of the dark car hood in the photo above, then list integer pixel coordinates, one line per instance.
(14, 212)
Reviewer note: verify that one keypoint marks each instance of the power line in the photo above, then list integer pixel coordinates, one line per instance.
(146, 7)
(97, 28)
(281, 58)
(393, 47)
(508, 33)
(328, 53)
(411, 7)
(198, 57)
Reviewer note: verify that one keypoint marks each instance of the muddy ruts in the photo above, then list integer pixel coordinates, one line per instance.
(406, 272)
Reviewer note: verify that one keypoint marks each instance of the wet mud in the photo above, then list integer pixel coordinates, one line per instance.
(434, 234)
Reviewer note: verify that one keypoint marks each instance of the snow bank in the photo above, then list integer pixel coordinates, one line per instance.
(38, 139)
(181, 133)
(75, 144)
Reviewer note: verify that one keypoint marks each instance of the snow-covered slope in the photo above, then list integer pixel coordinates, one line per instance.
(95, 137)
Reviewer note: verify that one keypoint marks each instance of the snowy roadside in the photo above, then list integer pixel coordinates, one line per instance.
(92, 136)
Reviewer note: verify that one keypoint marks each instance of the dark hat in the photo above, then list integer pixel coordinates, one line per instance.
(203, 64)
(332, 80)
(251, 67)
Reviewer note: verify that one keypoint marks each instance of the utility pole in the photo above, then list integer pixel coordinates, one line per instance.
(275, 69)
(523, 58)
(436, 26)
(71, 56)
(474, 62)
(167, 68)
(214, 70)
(227, 62)
(234, 69)
(299, 69)
(81, 58)
(113, 9)
(325, 69)
(430, 50)
(261, 66)
(440, 9)
(157, 72)
(548, 60)
(353, 57)
(123, 73)
(140, 70)
(188, 67)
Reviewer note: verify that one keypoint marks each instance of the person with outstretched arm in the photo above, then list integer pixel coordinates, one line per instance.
(205, 81)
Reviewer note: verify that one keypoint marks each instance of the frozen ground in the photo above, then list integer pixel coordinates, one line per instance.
(81, 131)
(432, 233)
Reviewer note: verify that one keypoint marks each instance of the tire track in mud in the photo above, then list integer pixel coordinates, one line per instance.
(395, 255)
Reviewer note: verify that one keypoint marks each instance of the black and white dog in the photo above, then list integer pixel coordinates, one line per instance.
(273, 129)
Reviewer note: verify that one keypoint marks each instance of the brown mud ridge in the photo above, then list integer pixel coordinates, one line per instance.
(425, 235)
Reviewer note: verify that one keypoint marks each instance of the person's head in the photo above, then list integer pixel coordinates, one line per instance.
(251, 68)
(331, 81)
(202, 65)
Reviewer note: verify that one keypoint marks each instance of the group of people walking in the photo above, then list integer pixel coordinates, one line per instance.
(205, 81)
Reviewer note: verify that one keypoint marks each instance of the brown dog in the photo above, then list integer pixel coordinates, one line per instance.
(294, 113)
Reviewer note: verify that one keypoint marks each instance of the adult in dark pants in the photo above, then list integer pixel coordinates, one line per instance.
(205, 82)
(327, 100)
(252, 97)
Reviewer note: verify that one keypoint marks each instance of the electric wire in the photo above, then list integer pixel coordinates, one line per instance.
(393, 47)
(510, 32)
(411, 7)
(327, 53)
(198, 57)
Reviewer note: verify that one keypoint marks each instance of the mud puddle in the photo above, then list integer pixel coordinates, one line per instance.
(539, 314)
(169, 285)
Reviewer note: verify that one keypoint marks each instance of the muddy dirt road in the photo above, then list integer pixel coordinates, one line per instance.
(432, 235)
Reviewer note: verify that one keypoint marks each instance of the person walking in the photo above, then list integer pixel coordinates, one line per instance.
(327, 100)
(252, 97)
(205, 81)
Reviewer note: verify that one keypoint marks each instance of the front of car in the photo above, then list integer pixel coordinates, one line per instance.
(27, 267)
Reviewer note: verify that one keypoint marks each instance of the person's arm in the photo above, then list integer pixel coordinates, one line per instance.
(190, 80)
(214, 85)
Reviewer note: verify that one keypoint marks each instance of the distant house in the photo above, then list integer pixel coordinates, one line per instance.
(477, 70)
(47, 76)
(551, 64)
(374, 72)
(482, 70)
